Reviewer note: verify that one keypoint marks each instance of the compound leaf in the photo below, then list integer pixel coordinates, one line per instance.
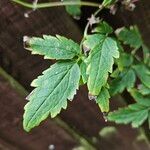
(53, 47)
(53, 88)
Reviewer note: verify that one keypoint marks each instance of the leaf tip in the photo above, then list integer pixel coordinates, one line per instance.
(25, 127)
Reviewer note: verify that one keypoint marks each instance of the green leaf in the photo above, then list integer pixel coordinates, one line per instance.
(125, 60)
(73, 10)
(134, 114)
(103, 28)
(53, 88)
(101, 61)
(103, 100)
(130, 36)
(143, 89)
(125, 80)
(83, 68)
(93, 40)
(143, 73)
(53, 47)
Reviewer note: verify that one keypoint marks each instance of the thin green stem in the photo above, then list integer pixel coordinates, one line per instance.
(56, 4)
(86, 29)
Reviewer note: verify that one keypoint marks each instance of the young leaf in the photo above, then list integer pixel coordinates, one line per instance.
(126, 79)
(103, 100)
(101, 61)
(53, 88)
(143, 73)
(103, 28)
(53, 47)
(130, 36)
(73, 10)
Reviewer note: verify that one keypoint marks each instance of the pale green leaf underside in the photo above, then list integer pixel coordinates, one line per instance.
(53, 88)
(53, 47)
(125, 80)
(73, 10)
(103, 100)
(101, 61)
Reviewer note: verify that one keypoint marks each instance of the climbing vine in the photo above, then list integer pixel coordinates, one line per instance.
(106, 60)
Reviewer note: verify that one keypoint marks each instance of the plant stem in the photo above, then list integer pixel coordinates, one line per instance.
(88, 24)
(56, 4)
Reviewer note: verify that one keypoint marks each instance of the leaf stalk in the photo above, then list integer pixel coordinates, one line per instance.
(56, 4)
